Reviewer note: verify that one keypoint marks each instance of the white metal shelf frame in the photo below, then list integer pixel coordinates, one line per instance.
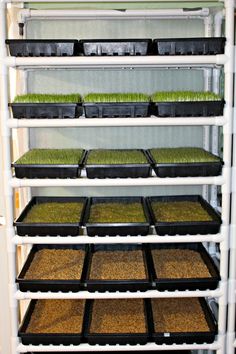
(9, 183)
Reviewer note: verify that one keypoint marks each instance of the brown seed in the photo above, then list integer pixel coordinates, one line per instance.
(57, 316)
(56, 264)
(118, 316)
(122, 265)
(179, 263)
(178, 315)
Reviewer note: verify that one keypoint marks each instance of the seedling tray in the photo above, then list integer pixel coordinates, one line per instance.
(172, 284)
(45, 229)
(49, 170)
(116, 338)
(189, 109)
(53, 285)
(185, 228)
(192, 169)
(141, 170)
(116, 109)
(188, 337)
(114, 229)
(45, 338)
(42, 48)
(189, 46)
(115, 47)
(117, 285)
(46, 110)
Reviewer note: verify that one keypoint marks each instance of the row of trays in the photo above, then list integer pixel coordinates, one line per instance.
(118, 321)
(103, 216)
(116, 47)
(118, 267)
(117, 109)
(57, 163)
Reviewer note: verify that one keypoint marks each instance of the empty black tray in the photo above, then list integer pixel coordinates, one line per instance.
(46, 338)
(190, 169)
(49, 171)
(142, 170)
(188, 337)
(46, 110)
(102, 47)
(117, 285)
(53, 285)
(113, 338)
(189, 109)
(172, 284)
(117, 110)
(189, 46)
(114, 229)
(184, 228)
(42, 47)
(43, 229)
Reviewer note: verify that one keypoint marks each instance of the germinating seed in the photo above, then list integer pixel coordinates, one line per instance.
(56, 264)
(182, 155)
(117, 213)
(105, 157)
(178, 315)
(179, 264)
(118, 316)
(179, 211)
(57, 316)
(51, 157)
(121, 265)
(116, 97)
(54, 212)
(184, 96)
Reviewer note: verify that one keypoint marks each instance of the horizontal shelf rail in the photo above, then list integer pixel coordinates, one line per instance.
(116, 122)
(19, 240)
(117, 61)
(109, 1)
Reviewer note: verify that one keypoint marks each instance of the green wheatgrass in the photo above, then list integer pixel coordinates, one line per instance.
(179, 211)
(106, 157)
(47, 98)
(182, 155)
(184, 96)
(54, 212)
(51, 157)
(116, 97)
(117, 213)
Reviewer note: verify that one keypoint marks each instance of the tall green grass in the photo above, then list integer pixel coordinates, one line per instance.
(182, 155)
(47, 98)
(51, 157)
(116, 97)
(104, 157)
(184, 96)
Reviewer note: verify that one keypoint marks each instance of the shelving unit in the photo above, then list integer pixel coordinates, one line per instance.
(212, 13)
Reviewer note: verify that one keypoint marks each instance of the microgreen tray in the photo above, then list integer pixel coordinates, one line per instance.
(130, 170)
(49, 229)
(116, 228)
(189, 46)
(42, 47)
(117, 284)
(45, 285)
(46, 110)
(116, 109)
(182, 284)
(185, 227)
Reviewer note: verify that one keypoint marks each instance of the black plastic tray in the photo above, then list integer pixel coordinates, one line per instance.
(113, 339)
(189, 46)
(46, 338)
(49, 171)
(117, 285)
(64, 285)
(118, 170)
(190, 337)
(114, 229)
(192, 169)
(114, 47)
(44, 229)
(42, 47)
(46, 110)
(189, 109)
(171, 284)
(184, 228)
(117, 110)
